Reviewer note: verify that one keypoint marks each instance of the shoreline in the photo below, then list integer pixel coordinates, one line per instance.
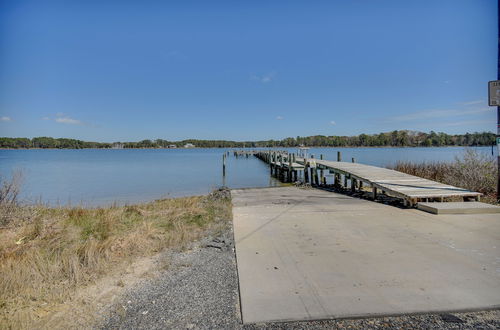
(259, 148)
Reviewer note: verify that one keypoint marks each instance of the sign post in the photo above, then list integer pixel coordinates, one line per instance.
(494, 100)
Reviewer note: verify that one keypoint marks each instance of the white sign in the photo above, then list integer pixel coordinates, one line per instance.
(494, 93)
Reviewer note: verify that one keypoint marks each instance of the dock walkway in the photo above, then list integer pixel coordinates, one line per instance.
(395, 183)
(411, 189)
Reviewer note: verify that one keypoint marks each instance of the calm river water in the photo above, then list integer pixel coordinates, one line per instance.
(99, 177)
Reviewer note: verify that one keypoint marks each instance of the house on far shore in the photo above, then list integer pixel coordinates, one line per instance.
(189, 145)
(172, 146)
(302, 152)
(117, 145)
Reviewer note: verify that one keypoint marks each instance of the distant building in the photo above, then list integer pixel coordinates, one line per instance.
(172, 146)
(189, 145)
(302, 152)
(117, 145)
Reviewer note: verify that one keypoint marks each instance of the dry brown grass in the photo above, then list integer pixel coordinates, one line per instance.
(46, 254)
(473, 171)
(9, 191)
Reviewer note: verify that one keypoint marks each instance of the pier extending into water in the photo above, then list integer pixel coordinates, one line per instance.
(288, 167)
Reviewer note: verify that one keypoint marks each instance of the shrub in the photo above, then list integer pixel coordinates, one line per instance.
(9, 193)
(474, 171)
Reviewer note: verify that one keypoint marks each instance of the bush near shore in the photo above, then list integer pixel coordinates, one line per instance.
(474, 171)
(46, 254)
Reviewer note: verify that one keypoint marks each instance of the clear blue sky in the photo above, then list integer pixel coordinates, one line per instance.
(244, 70)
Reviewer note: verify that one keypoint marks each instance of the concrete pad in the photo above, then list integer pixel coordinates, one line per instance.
(308, 254)
(458, 208)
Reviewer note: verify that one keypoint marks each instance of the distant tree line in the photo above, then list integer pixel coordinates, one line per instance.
(401, 138)
(49, 143)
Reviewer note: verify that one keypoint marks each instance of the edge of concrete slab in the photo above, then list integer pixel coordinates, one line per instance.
(380, 315)
(240, 310)
(458, 208)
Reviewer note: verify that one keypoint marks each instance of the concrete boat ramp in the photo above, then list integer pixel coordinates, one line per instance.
(307, 254)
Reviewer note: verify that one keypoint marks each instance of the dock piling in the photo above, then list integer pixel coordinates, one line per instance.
(306, 171)
(322, 175)
(224, 164)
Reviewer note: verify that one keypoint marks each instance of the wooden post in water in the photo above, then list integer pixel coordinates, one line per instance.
(276, 166)
(312, 172)
(353, 159)
(337, 175)
(316, 177)
(374, 193)
(282, 169)
(289, 168)
(306, 171)
(273, 156)
(224, 164)
(322, 175)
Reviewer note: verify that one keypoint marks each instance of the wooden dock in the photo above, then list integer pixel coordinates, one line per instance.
(244, 153)
(411, 189)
